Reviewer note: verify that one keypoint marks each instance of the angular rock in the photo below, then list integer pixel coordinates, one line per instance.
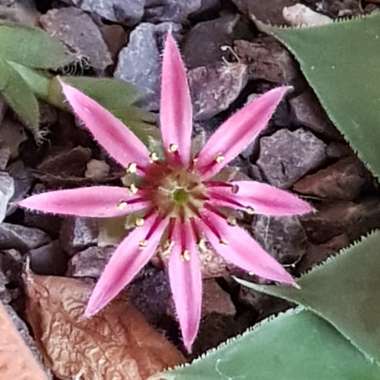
(12, 135)
(342, 180)
(342, 217)
(283, 237)
(5, 296)
(286, 156)
(301, 15)
(215, 87)
(20, 11)
(216, 301)
(309, 113)
(204, 42)
(115, 37)
(77, 234)
(97, 169)
(208, 9)
(7, 189)
(267, 60)
(21, 238)
(267, 12)
(338, 150)
(78, 31)
(89, 262)
(5, 155)
(125, 12)
(170, 10)
(49, 259)
(140, 61)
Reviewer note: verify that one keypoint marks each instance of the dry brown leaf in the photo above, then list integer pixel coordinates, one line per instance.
(116, 344)
(16, 361)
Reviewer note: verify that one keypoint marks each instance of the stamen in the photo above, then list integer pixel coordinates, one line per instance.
(122, 205)
(219, 158)
(173, 148)
(153, 156)
(185, 255)
(133, 188)
(223, 241)
(139, 222)
(132, 168)
(167, 248)
(203, 245)
(231, 220)
(249, 210)
(143, 243)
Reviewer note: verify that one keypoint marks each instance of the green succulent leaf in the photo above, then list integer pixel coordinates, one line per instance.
(341, 62)
(296, 345)
(344, 290)
(115, 95)
(20, 97)
(32, 47)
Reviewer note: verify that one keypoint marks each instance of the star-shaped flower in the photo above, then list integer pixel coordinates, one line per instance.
(181, 202)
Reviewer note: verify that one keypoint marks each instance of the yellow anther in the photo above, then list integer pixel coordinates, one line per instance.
(249, 210)
(139, 222)
(153, 156)
(185, 255)
(223, 241)
(219, 158)
(231, 220)
(133, 188)
(132, 168)
(122, 205)
(173, 148)
(143, 243)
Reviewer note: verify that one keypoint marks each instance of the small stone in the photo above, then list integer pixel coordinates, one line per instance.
(216, 300)
(286, 156)
(140, 61)
(21, 238)
(283, 237)
(267, 60)
(336, 150)
(309, 113)
(301, 15)
(23, 12)
(12, 135)
(7, 189)
(170, 10)
(78, 31)
(5, 296)
(342, 217)
(209, 9)
(5, 155)
(97, 169)
(125, 12)
(77, 234)
(204, 42)
(214, 88)
(342, 180)
(115, 37)
(48, 260)
(89, 262)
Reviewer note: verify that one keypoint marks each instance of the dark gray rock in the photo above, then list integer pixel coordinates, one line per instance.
(90, 262)
(123, 11)
(215, 87)
(77, 234)
(309, 113)
(7, 189)
(140, 62)
(283, 237)
(286, 156)
(78, 31)
(49, 259)
(204, 42)
(170, 10)
(20, 11)
(267, 60)
(207, 10)
(12, 135)
(21, 238)
(5, 155)
(342, 180)
(5, 296)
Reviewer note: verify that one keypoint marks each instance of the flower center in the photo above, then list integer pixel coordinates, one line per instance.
(181, 196)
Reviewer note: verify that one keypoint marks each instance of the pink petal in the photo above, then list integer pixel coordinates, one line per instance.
(186, 282)
(262, 198)
(176, 111)
(238, 247)
(96, 201)
(128, 259)
(120, 143)
(235, 134)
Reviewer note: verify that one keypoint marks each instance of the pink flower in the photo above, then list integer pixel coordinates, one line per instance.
(182, 205)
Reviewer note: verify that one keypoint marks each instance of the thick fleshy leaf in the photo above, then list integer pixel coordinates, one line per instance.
(186, 282)
(260, 197)
(176, 108)
(345, 290)
(110, 132)
(296, 345)
(95, 201)
(239, 248)
(235, 134)
(128, 259)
